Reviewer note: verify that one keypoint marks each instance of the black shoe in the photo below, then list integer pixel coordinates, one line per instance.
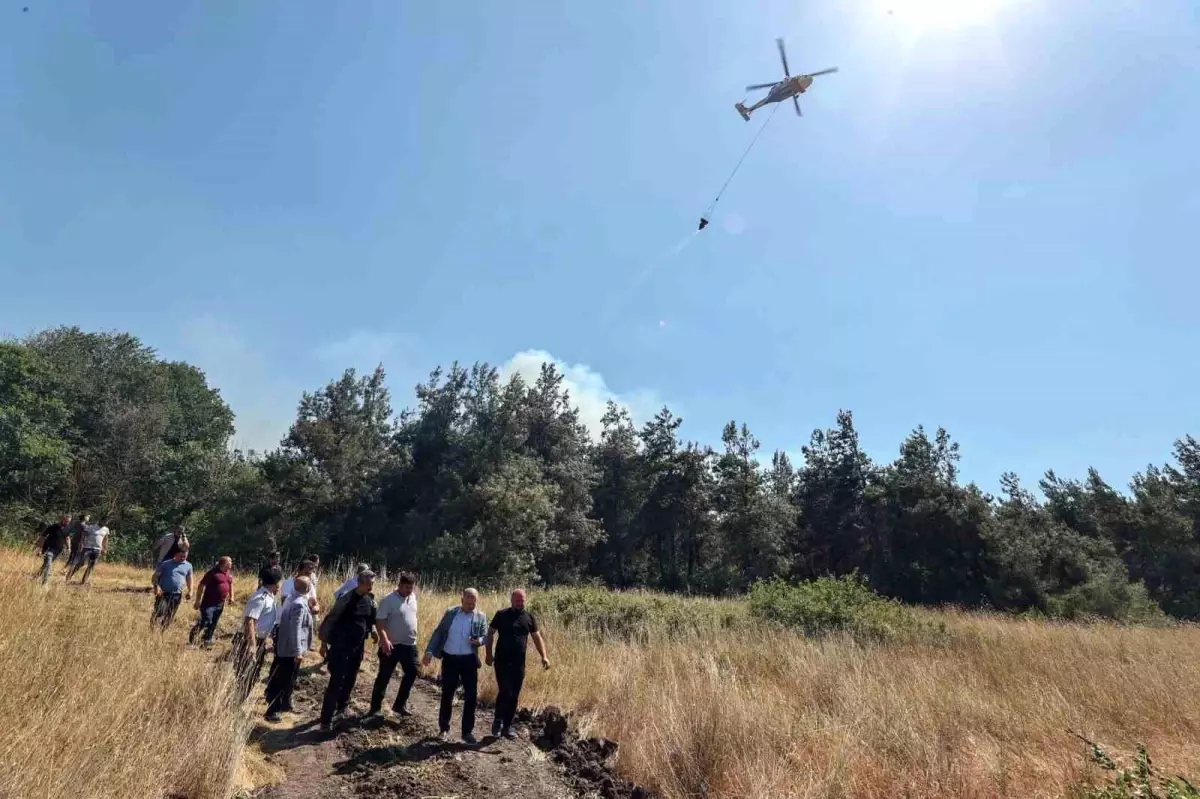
(468, 738)
(402, 710)
(375, 711)
(326, 727)
(495, 729)
(274, 716)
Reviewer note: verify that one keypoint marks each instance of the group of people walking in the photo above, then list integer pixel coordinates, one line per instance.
(80, 541)
(285, 616)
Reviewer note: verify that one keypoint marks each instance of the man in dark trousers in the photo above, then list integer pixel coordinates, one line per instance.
(456, 641)
(249, 647)
(76, 529)
(54, 541)
(216, 590)
(170, 579)
(514, 626)
(294, 639)
(396, 625)
(344, 631)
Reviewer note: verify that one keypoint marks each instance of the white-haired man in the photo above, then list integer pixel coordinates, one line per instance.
(456, 641)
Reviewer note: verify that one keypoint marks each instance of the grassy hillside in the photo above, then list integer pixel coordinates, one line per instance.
(704, 699)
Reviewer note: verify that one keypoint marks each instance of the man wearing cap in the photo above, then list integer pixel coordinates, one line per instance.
(345, 632)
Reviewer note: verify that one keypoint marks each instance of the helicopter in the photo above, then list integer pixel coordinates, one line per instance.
(790, 86)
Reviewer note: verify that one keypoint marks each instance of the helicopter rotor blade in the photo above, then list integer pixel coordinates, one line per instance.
(783, 57)
(760, 86)
(796, 103)
(829, 71)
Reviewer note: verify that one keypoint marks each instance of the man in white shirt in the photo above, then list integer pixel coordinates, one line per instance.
(258, 623)
(396, 625)
(94, 544)
(351, 582)
(305, 569)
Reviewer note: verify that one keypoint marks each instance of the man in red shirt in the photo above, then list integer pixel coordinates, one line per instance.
(216, 588)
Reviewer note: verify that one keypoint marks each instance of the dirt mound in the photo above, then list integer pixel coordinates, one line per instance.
(586, 762)
(402, 757)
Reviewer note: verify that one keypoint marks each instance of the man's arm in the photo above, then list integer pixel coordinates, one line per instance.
(250, 631)
(540, 646)
(199, 593)
(385, 643)
(154, 581)
(189, 585)
(487, 644)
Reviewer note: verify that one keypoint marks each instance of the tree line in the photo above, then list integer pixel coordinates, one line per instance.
(499, 480)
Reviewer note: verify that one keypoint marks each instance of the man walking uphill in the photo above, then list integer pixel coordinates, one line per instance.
(396, 624)
(514, 626)
(95, 544)
(53, 541)
(345, 632)
(169, 580)
(216, 589)
(294, 639)
(456, 641)
(258, 623)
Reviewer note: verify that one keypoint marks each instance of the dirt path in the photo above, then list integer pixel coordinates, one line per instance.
(401, 757)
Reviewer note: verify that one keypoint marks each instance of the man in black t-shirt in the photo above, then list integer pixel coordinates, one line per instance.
(514, 626)
(345, 631)
(52, 542)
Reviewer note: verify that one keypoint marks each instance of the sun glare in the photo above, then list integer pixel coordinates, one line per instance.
(943, 15)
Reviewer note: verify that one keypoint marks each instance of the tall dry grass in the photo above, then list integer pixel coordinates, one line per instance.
(96, 705)
(982, 712)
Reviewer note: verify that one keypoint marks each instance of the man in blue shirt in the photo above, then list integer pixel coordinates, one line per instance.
(170, 579)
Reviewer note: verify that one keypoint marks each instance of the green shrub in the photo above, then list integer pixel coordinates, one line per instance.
(1137, 781)
(636, 615)
(837, 604)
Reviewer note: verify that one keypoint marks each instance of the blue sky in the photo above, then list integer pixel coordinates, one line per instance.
(986, 220)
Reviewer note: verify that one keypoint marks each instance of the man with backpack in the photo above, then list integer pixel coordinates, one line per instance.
(344, 631)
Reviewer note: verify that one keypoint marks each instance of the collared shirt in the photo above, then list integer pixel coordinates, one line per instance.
(295, 628)
(346, 587)
(262, 609)
(399, 615)
(458, 642)
(289, 588)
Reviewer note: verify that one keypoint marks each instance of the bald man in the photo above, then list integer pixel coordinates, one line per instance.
(216, 590)
(514, 626)
(456, 641)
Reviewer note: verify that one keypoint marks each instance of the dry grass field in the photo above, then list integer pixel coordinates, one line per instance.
(95, 705)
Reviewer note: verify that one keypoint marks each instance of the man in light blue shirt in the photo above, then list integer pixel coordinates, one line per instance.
(456, 641)
(170, 578)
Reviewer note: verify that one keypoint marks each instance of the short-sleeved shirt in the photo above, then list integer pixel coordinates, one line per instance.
(172, 575)
(399, 615)
(351, 628)
(94, 535)
(55, 538)
(262, 609)
(289, 588)
(215, 588)
(513, 627)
